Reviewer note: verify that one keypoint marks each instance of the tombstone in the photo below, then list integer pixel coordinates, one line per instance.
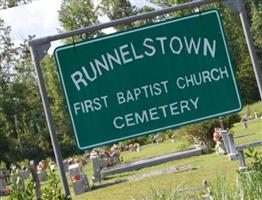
(242, 161)
(79, 180)
(173, 138)
(256, 115)
(66, 165)
(220, 148)
(52, 165)
(25, 173)
(7, 176)
(2, 182)
(42, 175)
(233, 152)
(13, 175)
(37, 186)
(244, 119)
(41, 171)
(224, 135)
(97, 166)
(20, 181)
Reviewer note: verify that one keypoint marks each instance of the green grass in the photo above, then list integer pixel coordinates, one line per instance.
(208, 167)
(254, 127)
(251, 109)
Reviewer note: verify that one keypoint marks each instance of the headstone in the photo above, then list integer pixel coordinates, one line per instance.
(66, 165)
(220, 148)
(2, 182)
(25, 173)
(224, 135)
(96, 162)
(13, 175)
(244, 119)
(233, 152)
(37, 186)
(80, 186)
(242, 160)
(52, 166)
(79, 180)
(42, 175)
(41, 171)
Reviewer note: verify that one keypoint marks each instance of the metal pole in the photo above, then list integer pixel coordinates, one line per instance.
(49, 119)
(126, 20)
(250, 44)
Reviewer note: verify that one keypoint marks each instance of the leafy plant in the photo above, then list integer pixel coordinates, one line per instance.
(52, 190)
(23, 191)
(256, 164)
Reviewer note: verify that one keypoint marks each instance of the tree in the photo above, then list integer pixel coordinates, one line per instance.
(123, 8)
(256, 22)
(29, 108)
(75, 14)
(118, 9)
(58, 107)
(4, 4)
(7, 74)
(7, 57)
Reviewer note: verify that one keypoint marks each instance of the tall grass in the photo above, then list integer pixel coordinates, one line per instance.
(248, 186)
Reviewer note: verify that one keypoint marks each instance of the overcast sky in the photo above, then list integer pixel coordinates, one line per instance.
(39, 18)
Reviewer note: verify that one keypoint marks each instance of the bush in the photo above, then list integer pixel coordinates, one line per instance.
(203, 131)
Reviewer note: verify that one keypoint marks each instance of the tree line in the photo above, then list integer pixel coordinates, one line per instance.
(23, 130)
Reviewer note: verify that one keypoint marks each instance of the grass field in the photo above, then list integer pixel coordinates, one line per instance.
(207, 167)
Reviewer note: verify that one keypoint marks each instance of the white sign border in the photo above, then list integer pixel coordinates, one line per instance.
(135, 30)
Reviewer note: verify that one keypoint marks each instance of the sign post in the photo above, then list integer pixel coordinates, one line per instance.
(148, 79)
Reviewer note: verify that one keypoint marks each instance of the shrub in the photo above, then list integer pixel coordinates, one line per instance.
(203, 131)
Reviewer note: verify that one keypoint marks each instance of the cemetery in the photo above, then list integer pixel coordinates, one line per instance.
(167, 106)
(94, 173)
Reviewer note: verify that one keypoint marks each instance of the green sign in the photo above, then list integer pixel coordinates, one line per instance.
(148, 79)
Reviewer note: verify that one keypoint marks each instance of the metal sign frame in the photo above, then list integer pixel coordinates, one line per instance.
(40, 46)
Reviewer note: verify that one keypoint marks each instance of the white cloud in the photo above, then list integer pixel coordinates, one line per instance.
(40, 18)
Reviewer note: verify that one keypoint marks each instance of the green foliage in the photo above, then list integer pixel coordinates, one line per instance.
(58, 107)
(203, 131)
(19, 95)
(52, 191)
(23, 192)
(248, 183)
(4, 4)
(256, 164)
(251, 109)
(118, 9)
(75, 14)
